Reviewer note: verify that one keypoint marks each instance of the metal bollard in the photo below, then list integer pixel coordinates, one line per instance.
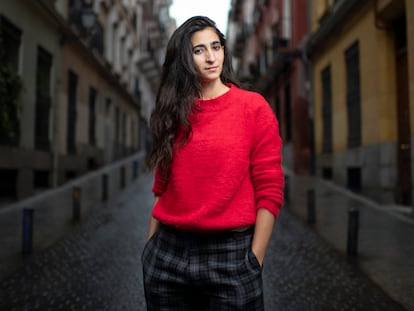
(311, 206)
(27, 224)
(76, 205)
(286, 190)
(104, 187)
(353, 228)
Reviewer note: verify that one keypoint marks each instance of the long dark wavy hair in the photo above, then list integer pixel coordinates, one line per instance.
(179, 86)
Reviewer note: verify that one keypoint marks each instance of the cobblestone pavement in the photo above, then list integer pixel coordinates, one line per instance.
(97, 267)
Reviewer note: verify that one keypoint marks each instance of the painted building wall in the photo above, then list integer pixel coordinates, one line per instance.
(125, 71)
(377, 70)
(37, 31)
(299, 92)
(90, 76)
(377, 155)
(288, 21)
(31, 23)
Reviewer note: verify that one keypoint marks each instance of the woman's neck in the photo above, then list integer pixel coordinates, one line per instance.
(213, 89)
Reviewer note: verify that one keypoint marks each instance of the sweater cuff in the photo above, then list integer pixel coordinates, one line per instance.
(272, 207)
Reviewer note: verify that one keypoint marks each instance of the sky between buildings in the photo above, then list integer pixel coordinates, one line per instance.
(217, 10)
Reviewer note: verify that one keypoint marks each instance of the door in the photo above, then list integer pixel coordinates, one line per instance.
(72, 112)
(403, 108)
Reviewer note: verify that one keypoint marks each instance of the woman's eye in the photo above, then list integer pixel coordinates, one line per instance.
(217, 47)
(198, 51)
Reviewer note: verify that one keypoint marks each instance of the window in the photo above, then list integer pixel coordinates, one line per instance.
(8, 182)
(92, 116)
(287, 20)
(288, 121)
(137, 88)
(10, 39)
(70, 175)
(72, 112)
(327, 109)
(43, 99)
(118, 149)
(92, 164)
(41, 179)
(124, 131)
(134, 20)
(354, 179)
(327, 172)
(353, 96)
(117, 124)
(97, 37)
(108, 104)
(263, 63)
(132, 137)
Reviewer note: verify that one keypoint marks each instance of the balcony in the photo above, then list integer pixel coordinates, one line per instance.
(85, 23)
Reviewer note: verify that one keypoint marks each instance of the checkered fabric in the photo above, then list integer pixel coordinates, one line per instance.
(189, 271)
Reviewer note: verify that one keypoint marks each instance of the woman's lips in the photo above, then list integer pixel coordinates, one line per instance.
(212, 68)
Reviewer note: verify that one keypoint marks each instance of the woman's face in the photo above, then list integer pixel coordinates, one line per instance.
(208, 54)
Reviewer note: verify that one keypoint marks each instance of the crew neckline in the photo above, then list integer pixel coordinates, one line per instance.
(215, 103)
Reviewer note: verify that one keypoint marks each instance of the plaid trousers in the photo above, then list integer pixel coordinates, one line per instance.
(191, 272)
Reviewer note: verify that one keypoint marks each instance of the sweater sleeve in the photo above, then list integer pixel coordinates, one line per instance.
(160, 184)
(266, 160)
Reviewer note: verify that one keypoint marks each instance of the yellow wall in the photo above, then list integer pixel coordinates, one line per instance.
(377, 82)
(319, 9)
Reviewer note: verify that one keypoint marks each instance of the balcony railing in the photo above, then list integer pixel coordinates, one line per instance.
(84, 20)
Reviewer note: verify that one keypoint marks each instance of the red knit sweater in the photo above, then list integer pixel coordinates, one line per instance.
(230, 167)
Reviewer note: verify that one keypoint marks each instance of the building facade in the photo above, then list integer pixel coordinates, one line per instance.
(362, 55)
(87, 72)
(267, 37)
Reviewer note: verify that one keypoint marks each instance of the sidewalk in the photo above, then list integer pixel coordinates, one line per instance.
(43, 219)
(385, 237)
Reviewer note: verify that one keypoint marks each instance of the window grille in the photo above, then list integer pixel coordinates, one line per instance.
(10, 39)
(43, 99)
(92, 116)
(327, 109)
(72, 112)
(353, 96)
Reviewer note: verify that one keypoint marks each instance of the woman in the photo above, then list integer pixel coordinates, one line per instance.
(218, 182)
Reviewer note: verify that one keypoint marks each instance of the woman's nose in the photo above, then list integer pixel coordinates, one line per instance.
(210, 55)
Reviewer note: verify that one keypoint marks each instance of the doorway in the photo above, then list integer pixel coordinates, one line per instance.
(403, 193)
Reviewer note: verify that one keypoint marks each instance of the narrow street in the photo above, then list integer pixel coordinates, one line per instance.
(97, 267)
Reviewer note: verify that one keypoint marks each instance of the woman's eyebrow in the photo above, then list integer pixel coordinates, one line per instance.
(199, 46)
(204, 46)
(215, 42)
